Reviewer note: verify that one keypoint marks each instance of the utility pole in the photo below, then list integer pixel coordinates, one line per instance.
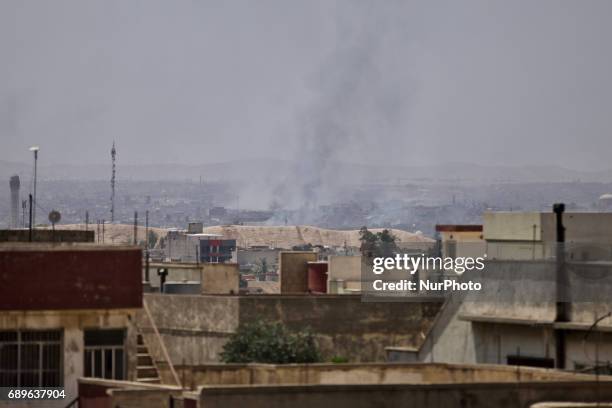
(30, 232)
(113, 156)
(34, 149)
(147, 246)
(24, 206)
(562, 283)
(135, 227)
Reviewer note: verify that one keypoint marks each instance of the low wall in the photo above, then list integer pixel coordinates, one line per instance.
(343, 324)
(195, 328)
(220, 278)
(482, 395)
(364, 373)
(46, 235)
(98, 393)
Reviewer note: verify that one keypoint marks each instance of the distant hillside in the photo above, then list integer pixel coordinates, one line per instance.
(269, 169)
(289, 236)
(118, 234)
(275, 236)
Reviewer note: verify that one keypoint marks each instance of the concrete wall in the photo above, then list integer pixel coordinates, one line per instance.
(512, 226)
(364, 373)
(215, 278)
(462, 243)
(580, 227)
(46, 235)
(73, 323)
(343, 324)
(346, 269)
(220, 278)
(294, 270)
(523, 236)
(181, 247)
(177, 272)
(194, 328)
(363, 385)
(481, 395)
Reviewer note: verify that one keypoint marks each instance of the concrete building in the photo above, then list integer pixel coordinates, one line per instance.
(253, 257)
(344, 274)
(183, 246)
(605, 202)
(543, 303)
(531, 235)
(514, 319)
(458, 240)
(15, 201)
(213, 278)
(67, 312)
(294, 270)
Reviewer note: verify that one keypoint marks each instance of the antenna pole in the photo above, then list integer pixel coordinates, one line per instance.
(135, 227)
(35, 177)
(113, 155)
(30, 232)
(147, 246)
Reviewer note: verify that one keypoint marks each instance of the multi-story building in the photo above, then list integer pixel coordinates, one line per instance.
(199, 247)
(67, 312)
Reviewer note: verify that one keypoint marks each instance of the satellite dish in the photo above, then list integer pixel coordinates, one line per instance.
(54, 217)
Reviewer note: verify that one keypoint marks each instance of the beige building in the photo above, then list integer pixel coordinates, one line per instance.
(214, 278)
(67, 312)
(532, 235)
(461, 240)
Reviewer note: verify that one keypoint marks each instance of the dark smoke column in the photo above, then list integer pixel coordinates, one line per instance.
(14, 183)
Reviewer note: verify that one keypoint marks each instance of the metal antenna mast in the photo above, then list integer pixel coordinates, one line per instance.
(113, 155)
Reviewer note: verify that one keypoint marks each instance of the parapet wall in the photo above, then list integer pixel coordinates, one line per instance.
(195, 328)
(480, 395)
(46, 235)
(365, 373)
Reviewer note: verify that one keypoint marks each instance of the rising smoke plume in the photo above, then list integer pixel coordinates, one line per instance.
(362, 92)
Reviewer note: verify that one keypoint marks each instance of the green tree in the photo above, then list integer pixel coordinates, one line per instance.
(266, 342)
(152, 238)
(368, 241)
(381, 244)
(260, 269)
(387, 243)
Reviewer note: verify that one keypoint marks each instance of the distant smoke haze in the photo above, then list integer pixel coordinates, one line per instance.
(398, 83)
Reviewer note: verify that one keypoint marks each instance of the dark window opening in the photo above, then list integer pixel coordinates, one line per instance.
(105, 354)
(531, 361)
(31, 358)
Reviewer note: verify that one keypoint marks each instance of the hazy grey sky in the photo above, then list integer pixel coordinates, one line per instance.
(509, 82)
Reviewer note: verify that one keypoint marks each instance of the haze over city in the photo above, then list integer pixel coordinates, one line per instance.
(400, 82)
(303, 104)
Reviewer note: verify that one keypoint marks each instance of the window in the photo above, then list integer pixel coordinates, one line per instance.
(105, 354)
(31, 358)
